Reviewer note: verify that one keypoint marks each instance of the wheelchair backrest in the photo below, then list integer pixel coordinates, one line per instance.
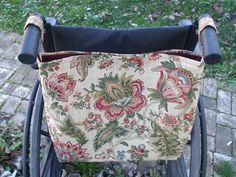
(123, 41)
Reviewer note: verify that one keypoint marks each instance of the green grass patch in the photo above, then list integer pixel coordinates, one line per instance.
(85, 169)
(11, 139)
(132, 13)
(225, 169)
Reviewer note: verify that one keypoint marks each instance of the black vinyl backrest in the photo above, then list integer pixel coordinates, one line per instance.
(133, 41)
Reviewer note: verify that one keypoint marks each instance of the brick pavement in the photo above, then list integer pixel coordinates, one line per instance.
(16, 81)
(220, 106)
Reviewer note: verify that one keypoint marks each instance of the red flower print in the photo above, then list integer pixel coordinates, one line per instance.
(87, 98)
(92, 121)
(126, 120)
(57, 67)
(188, 116)
(77, 94)
(128, 123)
(169, 120)
(101, 156)
(136, 61)
(139, 150)
(119, 99)
(70, 152)
(133, 122)
(138, 153)
(105, 64)
(60, 86)
(174, 85)
(186, 128)
(154, 56)
(141, 129)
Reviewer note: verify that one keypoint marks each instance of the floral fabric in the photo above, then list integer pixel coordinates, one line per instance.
(119, 107)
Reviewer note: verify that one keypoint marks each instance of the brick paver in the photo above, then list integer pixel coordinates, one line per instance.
(234, 104)
(16, 81)
(8, 88)
(224, 101)
(211, 121)
(209, 88)
(224, 140)
(5, 74)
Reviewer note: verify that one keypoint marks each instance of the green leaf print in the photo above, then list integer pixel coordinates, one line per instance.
(106, 134)
(165, 141)
(169, 65)
(69, 127)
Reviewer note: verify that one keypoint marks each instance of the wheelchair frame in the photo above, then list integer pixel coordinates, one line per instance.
(33, 122)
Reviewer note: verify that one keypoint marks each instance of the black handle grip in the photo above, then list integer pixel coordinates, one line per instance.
(30, 43)
(210, 45)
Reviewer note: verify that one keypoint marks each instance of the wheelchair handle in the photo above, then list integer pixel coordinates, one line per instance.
(210, 44)
(32, 34)
(30, 42)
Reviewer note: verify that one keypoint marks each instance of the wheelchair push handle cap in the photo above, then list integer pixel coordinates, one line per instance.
(209, 41)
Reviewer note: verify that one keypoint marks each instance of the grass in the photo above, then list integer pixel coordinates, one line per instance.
(132, 13)
(85, 169)
(11, 138)
(225, 169)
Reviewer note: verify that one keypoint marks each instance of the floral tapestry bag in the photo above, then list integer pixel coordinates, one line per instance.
(119, 107)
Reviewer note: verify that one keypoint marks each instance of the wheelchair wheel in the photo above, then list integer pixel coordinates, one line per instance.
(41, 161)
(38, 161)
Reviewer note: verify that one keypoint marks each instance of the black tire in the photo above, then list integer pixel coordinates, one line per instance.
(27, 125)
(33, 165)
